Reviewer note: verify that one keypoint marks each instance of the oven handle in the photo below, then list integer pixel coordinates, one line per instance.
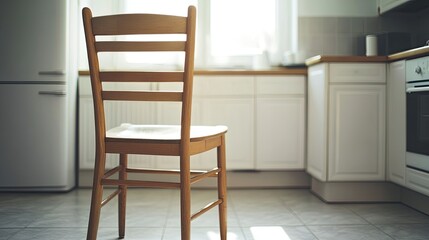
(417, 89)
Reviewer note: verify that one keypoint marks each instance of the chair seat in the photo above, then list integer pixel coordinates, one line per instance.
(162, 132)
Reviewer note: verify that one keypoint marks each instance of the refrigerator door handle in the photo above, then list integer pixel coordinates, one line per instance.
(52, 73)
(53, 93)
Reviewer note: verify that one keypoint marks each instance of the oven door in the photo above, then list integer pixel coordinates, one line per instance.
(418, 126)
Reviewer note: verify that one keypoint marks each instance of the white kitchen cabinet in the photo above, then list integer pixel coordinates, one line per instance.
(396, 122)
(280, 122)
(346, 122)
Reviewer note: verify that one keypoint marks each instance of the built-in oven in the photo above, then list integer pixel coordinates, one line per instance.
(417, 108)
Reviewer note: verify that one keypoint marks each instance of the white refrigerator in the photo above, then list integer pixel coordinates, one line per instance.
(38, 88)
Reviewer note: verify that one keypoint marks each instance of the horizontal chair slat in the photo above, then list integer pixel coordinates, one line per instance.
(111, 172)
(141, 76)
(210, 173)
(110, 197)
(206, 208)
(139, 183)
(142, 96)
(160, 171)
(118, 46)
(124, 24)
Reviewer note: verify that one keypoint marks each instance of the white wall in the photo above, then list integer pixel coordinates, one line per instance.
(337, 8)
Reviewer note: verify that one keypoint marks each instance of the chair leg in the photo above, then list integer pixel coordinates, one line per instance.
(221, 161)
(97, 197)
(123, 162)
(185, 198)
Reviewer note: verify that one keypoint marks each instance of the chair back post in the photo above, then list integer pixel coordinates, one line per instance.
(96, 86)
(188, 78)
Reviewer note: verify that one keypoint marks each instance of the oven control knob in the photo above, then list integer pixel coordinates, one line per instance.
(418, 70)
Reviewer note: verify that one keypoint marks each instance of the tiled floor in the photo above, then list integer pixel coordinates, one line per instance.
(281, 214)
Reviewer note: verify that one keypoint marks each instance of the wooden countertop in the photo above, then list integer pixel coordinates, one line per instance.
(271, 71)
(409, 54)
(412, 53)
(342, 59)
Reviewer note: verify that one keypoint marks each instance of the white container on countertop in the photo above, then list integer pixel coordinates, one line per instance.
(371, 45)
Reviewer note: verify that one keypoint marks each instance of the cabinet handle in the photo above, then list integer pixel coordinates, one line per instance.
(53, 93)
(417, 89)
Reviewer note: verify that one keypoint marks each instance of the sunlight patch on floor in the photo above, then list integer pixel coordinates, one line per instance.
(269, 232)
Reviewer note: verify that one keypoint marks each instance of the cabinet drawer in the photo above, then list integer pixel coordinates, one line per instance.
(357, 73)
(280, 85)
(223, 85)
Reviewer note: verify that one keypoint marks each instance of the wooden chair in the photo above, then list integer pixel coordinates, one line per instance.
(182, 140)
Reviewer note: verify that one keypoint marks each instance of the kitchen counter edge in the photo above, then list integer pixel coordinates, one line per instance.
(271, 71)
(409, 54)
(344, 59)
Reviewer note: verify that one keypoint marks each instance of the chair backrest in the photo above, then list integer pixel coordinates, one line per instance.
(141, 24)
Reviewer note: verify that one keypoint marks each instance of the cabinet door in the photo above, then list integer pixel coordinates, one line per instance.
(280, 122)
(356, 133)
(238, 115)
(396, 126)
(280, 133)
(317, 125)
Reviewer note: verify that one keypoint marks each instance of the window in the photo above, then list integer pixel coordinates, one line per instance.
(240, 31)
(155, 60)
(242, 27)
(230, 33)
(170, 7)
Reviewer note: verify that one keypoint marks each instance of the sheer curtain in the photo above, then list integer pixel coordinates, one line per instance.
(230, 33)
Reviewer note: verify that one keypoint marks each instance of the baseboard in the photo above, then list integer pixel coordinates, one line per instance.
(415, 200)
(335, 192)
(235, 179)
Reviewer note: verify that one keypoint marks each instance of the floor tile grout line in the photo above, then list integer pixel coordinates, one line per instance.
(297, 216)
(360, 216)
(230, 204)
(387, 234)
(170, 205)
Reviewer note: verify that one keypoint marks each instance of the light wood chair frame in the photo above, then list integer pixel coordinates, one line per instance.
(184, 146)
